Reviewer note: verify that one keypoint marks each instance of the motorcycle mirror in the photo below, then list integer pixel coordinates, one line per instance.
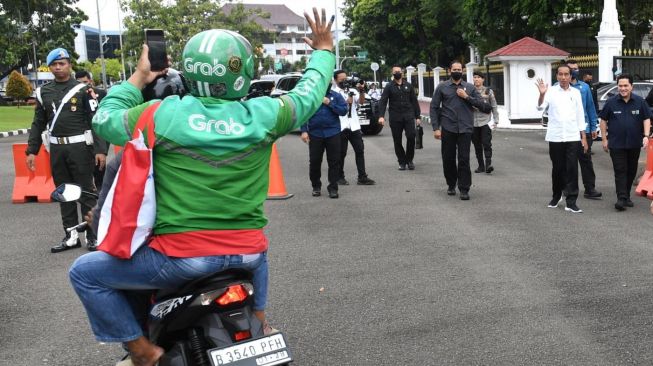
(67, 193)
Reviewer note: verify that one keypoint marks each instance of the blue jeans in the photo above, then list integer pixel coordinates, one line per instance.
(102, 283)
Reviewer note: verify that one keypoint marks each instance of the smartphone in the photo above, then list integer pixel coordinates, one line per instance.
(156, 42)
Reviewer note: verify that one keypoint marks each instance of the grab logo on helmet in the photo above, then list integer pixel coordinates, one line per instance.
(199, 122)
(206, 69)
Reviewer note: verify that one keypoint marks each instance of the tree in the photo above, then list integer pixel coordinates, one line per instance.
(300, 65)
(113, 67)
(406, 32)
(18, 87)
(491, 24)
(438, 31)
(46, 23)
(184, 18)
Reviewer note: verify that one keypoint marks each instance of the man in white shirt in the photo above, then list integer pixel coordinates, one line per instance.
(374, 92)
(350, 128)
(565, 130)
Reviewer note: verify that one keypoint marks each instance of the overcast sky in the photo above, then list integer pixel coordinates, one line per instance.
(109, 10)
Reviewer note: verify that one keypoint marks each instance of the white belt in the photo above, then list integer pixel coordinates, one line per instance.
(67, 140)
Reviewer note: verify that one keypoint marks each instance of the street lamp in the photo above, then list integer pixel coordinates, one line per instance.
(99, 26)
(122, 51)
(36, 66)
(346, 57)
(335, 9)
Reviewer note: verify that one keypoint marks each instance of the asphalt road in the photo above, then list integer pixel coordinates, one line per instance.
(393, 274)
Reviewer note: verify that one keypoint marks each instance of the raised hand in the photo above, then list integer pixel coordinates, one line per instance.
(321, 38)
(542, 86)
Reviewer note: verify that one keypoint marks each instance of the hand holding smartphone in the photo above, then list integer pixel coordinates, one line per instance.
(155, 40)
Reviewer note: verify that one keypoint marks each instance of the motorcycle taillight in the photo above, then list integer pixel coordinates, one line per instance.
(234, 294)
(242, 335)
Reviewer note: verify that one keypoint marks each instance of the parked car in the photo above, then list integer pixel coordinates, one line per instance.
(641, 88)
(259, 88)
(368, 116)
(285, 84)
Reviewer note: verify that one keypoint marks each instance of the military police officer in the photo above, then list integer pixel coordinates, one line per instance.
(62, 122)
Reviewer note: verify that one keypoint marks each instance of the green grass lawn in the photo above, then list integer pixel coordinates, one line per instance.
(12, 118)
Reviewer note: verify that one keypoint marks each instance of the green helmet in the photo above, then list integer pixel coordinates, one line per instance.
(218, 63)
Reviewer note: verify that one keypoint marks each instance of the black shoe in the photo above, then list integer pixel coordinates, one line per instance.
(343, 182)
(66, 243)
(451, 191)
(402, 166)
(573, 208)
(316, 192)
(333, 194)
(480, 169)
(629, 203)
(464, 196)
(411, 166)
(555, 201)
(489, 169)
(620, 205)
(593, 194)
(91, 245)
(365, 181)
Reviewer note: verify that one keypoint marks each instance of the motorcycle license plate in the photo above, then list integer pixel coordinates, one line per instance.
(364, 122)
(267, 351)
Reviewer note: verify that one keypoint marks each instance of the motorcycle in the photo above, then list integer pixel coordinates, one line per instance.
(207, 322)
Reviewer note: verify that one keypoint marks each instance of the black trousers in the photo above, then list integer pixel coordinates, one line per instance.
(399, 125)
(564, 173)
(586, 165)
(482, 139)
(316, 148)
(624, 162)
(348, 136)
(456, 144)
(74, 163)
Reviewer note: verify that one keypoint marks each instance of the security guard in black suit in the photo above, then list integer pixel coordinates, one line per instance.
(85, 77)
(64, 108)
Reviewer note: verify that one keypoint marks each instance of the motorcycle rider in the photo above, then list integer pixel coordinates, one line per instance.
(211, 165)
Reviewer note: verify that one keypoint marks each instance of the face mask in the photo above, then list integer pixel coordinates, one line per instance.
(397, 75)
(341, 85)
(456, 75)
(574, 74)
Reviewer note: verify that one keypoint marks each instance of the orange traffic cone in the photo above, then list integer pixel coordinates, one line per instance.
(645, 186)
(29, 185)
(277, 188)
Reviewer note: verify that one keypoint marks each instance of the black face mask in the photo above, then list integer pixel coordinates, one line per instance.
(456, 75)
(341, 85)
(397, 75)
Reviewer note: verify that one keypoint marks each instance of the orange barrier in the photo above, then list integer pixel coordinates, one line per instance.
(277, 189)
(645, 186)
(32, 184)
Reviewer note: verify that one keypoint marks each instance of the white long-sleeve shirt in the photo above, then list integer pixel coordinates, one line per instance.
(347, 122)
(566, 115)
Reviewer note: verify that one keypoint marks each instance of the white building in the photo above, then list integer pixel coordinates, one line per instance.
(525, 61)
(87, 43)
(288, 27)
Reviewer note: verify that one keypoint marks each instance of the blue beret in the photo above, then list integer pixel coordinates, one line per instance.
(57, 54)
